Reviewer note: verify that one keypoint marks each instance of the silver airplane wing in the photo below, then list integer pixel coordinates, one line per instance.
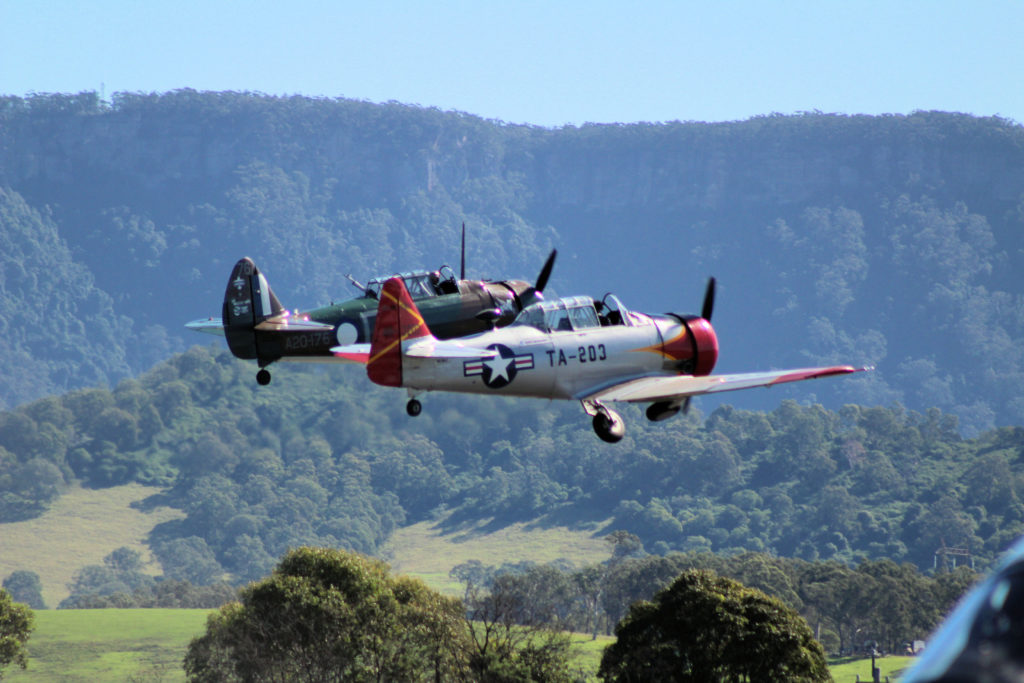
(661, 388)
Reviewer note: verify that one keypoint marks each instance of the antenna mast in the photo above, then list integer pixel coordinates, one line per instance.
(462, 263)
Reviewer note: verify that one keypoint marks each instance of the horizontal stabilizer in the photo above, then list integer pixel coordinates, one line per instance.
(649, 389)
(433, 348)
(355, 353)
(207, 326)
(285, 323)
(426, 348)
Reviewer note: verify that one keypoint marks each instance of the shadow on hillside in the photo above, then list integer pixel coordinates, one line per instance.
(574, 519)
(150, 503)
(463, 525)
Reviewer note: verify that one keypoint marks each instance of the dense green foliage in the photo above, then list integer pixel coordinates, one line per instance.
(16, 623)
(321, 457)
(325, 615)
(39, 274)
(120, 582)
(120, 574)
(705, 628)
(892, 240)
(166, 593)
(25, 587)
(878, 601)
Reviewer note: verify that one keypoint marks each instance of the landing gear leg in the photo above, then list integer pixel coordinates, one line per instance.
(608, 425)
(263, 377)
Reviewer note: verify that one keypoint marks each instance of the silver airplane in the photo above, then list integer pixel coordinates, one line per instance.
(576, 348)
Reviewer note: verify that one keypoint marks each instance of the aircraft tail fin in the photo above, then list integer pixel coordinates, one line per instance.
(248, 301)
(398, 322)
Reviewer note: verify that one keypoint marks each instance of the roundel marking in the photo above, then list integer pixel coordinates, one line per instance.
(501, 370)
(347, 334)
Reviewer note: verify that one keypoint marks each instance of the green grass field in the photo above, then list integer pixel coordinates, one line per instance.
(82, 527)
(110, 645)
(848, 669)
(587, 653)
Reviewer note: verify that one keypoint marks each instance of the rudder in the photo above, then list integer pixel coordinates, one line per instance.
(398, 321)
(248, 301)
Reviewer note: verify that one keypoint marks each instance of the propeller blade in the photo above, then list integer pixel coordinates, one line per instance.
(462, 262)
(536, 293)
(709, 300)
(545, 272)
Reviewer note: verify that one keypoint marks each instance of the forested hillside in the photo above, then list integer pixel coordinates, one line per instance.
(893, 240)
(322, 458)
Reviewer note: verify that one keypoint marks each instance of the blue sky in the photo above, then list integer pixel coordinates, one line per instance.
(545, 63)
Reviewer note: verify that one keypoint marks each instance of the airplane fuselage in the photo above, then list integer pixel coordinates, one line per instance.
(257, 327)
(569, 348)
(349, 322)
(555, 364)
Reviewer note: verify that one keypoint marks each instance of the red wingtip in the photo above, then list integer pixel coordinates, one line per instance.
(398, 320)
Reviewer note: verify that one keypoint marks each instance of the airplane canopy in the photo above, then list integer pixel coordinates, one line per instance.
(421, 284)
(566, 314)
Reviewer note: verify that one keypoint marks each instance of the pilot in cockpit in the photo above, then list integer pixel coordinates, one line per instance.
(608, 315)
(444, 281)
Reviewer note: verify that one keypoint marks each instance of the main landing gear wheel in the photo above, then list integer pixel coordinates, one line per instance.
(263, 377)
(609, 426)
(413, 407)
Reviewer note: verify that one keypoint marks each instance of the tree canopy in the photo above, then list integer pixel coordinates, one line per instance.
(328, 615)
(876, 601)
(16, 623)
(709, 628)
(24, 586)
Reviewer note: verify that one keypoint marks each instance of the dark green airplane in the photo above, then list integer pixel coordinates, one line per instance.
(257, 327)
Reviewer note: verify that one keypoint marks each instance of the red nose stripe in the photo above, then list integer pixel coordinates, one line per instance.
(706, 342)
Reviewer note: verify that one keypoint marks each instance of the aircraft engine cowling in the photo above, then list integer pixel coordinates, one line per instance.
(695, 350)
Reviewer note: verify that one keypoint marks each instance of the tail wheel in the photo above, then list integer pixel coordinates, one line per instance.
(263, 377)
(609, 426)
(413, 407)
